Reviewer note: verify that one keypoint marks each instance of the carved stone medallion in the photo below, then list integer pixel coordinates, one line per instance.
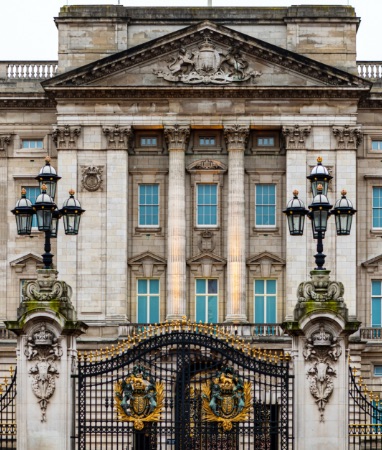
(208, 65)
(92, 178)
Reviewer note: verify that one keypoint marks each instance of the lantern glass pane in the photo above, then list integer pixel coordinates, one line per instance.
(72, 223)
(343, 224)
(50, 187)
(54, 227)
(324, 184)
(320, 218)
(296, 224)
(44, 219)
(24, 223)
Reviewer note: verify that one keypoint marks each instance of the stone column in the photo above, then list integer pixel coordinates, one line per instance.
(177, 139)
(236, 137)
(46, 327)
(320, 332)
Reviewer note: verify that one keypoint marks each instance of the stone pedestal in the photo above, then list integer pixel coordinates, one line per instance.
(47, 328)
(320, 332)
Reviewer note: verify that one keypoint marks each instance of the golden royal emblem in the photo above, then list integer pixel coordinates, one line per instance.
(138, 398)
(226, 399)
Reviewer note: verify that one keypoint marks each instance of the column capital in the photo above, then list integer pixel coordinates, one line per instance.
(295, 137)
(236, 136)
(348, 138)
(5, 140)
(118, 138)
(65, 137)
(177, 136)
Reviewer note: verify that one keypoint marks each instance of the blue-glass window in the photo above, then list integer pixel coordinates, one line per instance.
(266, 141)
(33, 143)
(265, 301)
(149, 141)
(207, 204)
(376, 145)
(32, 194)
(376, 413)
(377, 207)
(376, 303)
(206, 299)
(377, 371)
(265, 205)
(148, 205)
(148, 301)
(207, 141)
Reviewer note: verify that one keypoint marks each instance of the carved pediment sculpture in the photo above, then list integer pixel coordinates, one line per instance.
(207, 64)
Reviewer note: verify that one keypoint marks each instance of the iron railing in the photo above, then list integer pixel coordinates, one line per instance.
(8, 412)
(365, 416)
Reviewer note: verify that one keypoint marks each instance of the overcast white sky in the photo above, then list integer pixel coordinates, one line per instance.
(27, 30)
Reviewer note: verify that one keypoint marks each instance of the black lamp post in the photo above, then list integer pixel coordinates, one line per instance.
(319, 211)
(46, 210)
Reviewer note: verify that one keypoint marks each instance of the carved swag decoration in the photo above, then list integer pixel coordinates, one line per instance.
(43, 349)
(321, 349)
(208, 65)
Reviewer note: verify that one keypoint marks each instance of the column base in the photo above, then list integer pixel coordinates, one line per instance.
(236, 318)
(175, 317)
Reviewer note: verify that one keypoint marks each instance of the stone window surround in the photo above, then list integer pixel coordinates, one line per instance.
(218, 207)
(148, 295)
(368, 139)
(206, 149)
(148, 177)
(372, 181)
(372, 273)
(154, 149)
(256, 149)
(32, 135)
(158, 205)
(265, 177)
(265, 297)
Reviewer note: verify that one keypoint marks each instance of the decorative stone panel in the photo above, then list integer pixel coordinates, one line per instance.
(348, 138)
(65, 137)
(177, 136)
(118, 138)
(92, 178)
(5, 140)
(295, 137)
(236, 136)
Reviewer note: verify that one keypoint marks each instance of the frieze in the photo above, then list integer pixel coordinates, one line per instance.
(295, 137)
(92, 178)
(5, 140)
(30, 103)
(208, 65)
(43, 349)
(348, 138)
(322, 349)
(66, 137)
(118, 137)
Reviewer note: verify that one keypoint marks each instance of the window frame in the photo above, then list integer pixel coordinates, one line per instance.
(207, 296)
(266, 296)
(148, 296)
(197, 225)
(148, 134)
(375, 208)
(32, 140)
(274, 225)
(374, 296)
(153, 226)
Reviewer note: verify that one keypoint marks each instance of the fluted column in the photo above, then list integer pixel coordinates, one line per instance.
(177, 138)
(236, 137)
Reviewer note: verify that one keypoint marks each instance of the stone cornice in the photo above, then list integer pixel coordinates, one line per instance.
(27, 103)
(246, 92)
(162, 46)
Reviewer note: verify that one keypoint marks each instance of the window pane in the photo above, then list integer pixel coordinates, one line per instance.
(265, 301)
(31, 194)
(154, 309)
(265, 208)
(154, 286)
(376, 312)
(271, 286)
(200, 286)
(207, 204)
(212, 313)
(376, 287)
(142, 286)
(142, 309)
(271, 310)
(200, 308)
(259, 287)
(376, 145)
(149, 205)
(212, 286)
(259, 310)
(378, 371)
(32, 143)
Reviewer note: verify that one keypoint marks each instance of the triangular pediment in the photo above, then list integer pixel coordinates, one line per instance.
(33, 260)
(206, 257)
(146, 257)
(373, 262)
(205, 55)
(265, 257)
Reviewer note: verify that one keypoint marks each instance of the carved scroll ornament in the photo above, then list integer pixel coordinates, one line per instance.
(321, 349)
(43, 349)
(208, 65)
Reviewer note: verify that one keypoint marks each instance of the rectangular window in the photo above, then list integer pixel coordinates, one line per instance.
(266, 141)
(378, 371)
(207, 205)
(207, 141)
(376, 303)
(148, 301)
(377, 207)
(148, 205)
(33, 144)
(265, 209)
(376, 145)
(32, 194)
(206, 300)
(149, 141)
(265, 301)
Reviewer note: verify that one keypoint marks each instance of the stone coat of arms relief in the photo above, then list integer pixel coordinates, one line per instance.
(208, 65)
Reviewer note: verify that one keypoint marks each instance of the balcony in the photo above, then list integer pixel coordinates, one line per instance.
(371, 333)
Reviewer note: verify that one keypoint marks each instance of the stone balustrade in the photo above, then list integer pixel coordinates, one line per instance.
(372, 70)
(28, 70)
(371, 333)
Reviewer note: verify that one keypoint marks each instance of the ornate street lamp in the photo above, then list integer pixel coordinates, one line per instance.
(319, 211)
(48, 215)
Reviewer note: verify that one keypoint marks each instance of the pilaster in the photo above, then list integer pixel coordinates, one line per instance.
(236, 137)
(4, 197)
(177, 139)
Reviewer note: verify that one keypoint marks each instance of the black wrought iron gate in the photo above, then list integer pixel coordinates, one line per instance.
(183, 387)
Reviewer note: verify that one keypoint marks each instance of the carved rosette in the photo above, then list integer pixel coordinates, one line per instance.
(236, 136)
(5, 140)
(295, 137)
(322, 350)
(66, 137)
(118, 138)
(92, 178)
(177, 137)
(43, 349)
(348, 138)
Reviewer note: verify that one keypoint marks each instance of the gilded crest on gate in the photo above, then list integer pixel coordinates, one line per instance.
(226, 399)
(138, 398)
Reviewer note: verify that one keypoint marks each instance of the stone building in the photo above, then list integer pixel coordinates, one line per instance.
(184, 133)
